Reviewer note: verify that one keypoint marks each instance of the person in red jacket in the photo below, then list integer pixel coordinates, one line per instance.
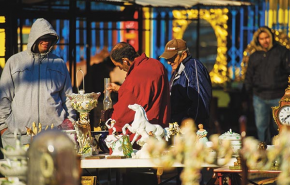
(146, 84)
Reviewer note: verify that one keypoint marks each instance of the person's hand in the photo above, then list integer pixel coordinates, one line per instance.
(113, 87)
(66, 125)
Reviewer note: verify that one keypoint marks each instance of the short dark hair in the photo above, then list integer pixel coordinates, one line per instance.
(123, 50)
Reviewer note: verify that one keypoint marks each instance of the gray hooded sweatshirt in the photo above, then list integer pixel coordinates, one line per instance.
(33, 86)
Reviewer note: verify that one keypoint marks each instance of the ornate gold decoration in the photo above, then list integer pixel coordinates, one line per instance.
(218, 20)
(89, 180)
(237, 165)
(280, 37)
(284, 102)
(173, 129)
(34, 130)
(84, 103)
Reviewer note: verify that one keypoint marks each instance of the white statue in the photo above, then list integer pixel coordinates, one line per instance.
(141, 126)
(112, 125)
(115, 142)
(141, 154)
(201, 134)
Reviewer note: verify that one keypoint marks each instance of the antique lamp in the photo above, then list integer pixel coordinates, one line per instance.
(84, 103)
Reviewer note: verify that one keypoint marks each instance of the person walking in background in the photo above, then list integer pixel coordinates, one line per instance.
(190, 84)
(146, 84)
(266, 79)
(33, 86)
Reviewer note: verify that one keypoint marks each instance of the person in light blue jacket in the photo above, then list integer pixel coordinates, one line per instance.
(190, 84)
(33, 86)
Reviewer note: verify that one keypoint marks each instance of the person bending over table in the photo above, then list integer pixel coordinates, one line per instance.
(146, 84)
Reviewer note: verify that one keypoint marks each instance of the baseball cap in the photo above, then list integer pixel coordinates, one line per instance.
(172, 47)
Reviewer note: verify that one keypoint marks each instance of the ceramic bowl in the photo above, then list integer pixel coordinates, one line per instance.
(235, 139)
(84, 103)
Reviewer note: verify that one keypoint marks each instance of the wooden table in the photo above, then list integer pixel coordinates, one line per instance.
(234, 174)
(135, 163)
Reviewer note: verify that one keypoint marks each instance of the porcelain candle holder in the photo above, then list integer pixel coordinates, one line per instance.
(84, 103)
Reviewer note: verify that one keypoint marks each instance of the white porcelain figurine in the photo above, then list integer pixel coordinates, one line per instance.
(141, 126)
(201, 134)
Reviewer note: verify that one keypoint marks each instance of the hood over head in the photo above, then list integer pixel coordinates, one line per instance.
(255, 41)
(41, 28)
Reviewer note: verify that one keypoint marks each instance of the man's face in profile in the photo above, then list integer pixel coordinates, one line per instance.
(176, 60)
(125, 66)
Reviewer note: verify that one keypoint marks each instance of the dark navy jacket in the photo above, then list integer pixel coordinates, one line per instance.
(191, 92)
(267, 71)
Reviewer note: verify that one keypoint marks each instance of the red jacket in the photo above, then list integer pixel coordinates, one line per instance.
(146, 84)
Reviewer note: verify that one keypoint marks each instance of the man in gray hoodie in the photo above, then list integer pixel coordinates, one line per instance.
(33, 86)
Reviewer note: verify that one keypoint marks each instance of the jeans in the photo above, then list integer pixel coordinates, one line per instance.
(263, 118)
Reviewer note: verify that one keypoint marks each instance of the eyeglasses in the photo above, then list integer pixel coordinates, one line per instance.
(172, 59)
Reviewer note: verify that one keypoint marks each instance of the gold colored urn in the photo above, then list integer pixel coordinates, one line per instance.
(84, 103)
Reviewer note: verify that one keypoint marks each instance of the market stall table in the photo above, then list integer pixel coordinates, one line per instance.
(128, 163)
(135, 163)
(234, 175)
